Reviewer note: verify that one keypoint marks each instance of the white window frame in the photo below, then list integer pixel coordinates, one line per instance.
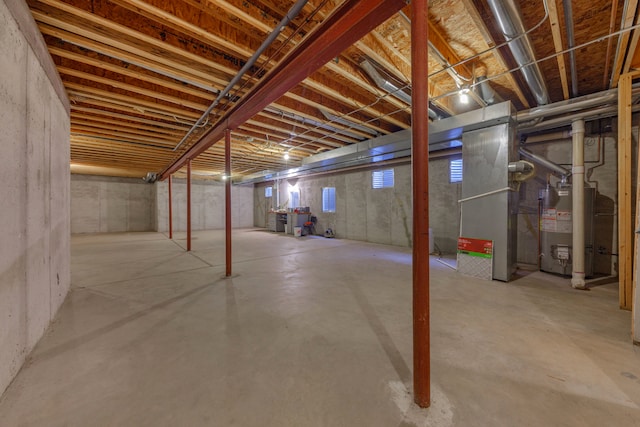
(383, 178)
(294, 199)
(328, 199)
(455, 170)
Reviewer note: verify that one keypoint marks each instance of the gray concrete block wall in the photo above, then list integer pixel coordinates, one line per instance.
(34, 168)
(207, 205)
(102, 204)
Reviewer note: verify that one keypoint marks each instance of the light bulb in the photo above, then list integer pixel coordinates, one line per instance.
(464, 96)
(286, 155)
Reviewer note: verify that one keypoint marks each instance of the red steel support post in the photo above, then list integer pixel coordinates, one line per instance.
(227, 198)
(189, 205)
(420, 152)
(170, 209)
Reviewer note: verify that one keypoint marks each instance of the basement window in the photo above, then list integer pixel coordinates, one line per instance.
(294, 199)
(328, 199)
(382, 179)
(455, 170)
(268, 192)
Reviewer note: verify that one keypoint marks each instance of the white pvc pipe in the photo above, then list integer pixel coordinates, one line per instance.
(577, 274)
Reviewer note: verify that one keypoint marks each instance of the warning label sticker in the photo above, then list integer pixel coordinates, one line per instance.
(556, 221)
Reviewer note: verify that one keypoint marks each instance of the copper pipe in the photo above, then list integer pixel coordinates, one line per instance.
(170, 209)
(227, 198)
(612, 23)
(189, 205)
(420, 150)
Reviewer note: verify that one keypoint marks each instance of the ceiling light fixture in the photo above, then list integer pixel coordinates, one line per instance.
(286, 155)
(464, 95)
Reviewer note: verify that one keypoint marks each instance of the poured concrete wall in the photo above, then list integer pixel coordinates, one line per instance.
(374, 215)
(34, 170)
(207, 205)
(444, 209)
(362, 213)
(102, 204)
(380, 215)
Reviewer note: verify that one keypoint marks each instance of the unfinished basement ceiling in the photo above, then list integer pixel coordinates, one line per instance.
(141, 73)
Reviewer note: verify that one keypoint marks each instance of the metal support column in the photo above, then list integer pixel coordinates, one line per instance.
(227, 197)
(420, 163)
(189, 205)
(170, 209)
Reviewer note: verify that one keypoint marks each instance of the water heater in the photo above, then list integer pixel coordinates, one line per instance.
(556, 229)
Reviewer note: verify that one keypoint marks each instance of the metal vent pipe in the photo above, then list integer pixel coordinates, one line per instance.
(290, 16)
(509, 19)
(487, 93)
(394, 90)
(559, 170)
(568, 23)
(577, 199)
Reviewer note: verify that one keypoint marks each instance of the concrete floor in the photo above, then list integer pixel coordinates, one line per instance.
(316, 332)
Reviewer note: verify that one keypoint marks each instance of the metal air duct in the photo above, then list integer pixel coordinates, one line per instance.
(487, 93)
(559, 170)
(509, 19)
(385, 84)
(568, 23)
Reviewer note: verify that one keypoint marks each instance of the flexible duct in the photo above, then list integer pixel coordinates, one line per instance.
(557, 169)
(487, 93)
(582, 108)
(509, 20)
(386, 85)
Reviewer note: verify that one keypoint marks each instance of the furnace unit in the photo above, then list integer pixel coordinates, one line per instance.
(556, 229)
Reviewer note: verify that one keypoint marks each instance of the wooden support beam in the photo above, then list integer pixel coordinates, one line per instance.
(557, 44)
(633, 48)
(625, 230)
(439, 43)
(623, 42)
(347, 24)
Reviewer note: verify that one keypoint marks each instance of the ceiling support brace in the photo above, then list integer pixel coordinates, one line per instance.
(348, 24)
(293, 12)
